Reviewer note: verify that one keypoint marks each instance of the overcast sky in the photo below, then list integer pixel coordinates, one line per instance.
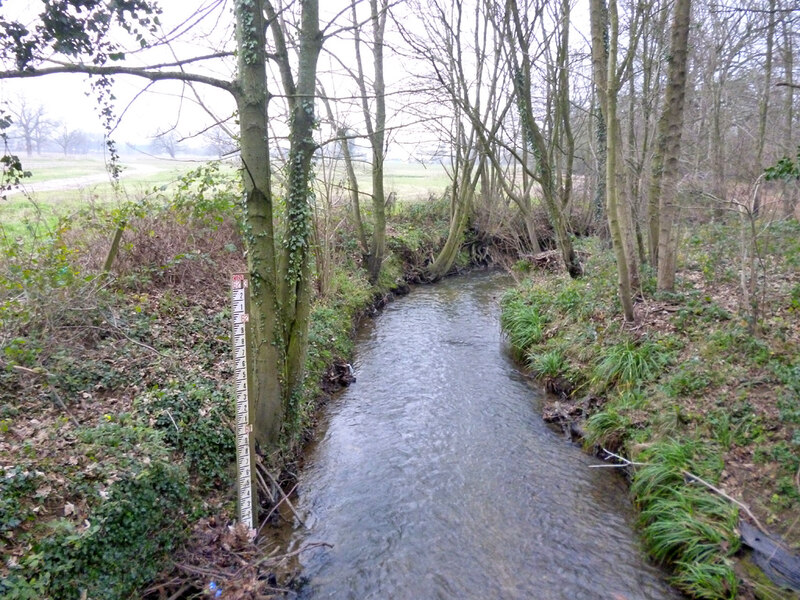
(68, 99)
(168, 104)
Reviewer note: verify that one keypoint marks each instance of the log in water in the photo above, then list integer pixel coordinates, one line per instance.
(435, 476)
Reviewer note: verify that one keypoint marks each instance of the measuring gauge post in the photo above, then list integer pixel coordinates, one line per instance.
(245, 445)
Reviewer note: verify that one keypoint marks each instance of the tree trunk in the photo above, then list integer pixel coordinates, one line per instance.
(375, 130)
(670, 128)
(280, 289)
(606, 82)
(789, 189)
(294, 282)
(259, 236)
(763, 108)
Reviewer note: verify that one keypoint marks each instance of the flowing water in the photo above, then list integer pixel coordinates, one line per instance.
(435, 477)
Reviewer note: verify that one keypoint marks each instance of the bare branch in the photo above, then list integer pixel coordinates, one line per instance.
(134, 71)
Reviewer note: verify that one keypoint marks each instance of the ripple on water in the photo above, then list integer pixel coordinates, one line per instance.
(436, 478)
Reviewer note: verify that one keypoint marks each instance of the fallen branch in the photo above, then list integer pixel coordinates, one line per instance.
(716, 490)
(623, 462)
(285, 497)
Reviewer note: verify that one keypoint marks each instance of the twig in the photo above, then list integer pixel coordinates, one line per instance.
(294, 553)
(624, 462)
(274, 508)
(285, 497)
(180, 591)
(741, 505)
(263, 485)
(201, 571)
(137, 342)
(116, 329)
(169, 414)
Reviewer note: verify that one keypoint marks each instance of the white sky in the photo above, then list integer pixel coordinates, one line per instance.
(161, 107)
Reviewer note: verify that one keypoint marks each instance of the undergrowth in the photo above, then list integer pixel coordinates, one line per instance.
(694, 388)
(116, 411)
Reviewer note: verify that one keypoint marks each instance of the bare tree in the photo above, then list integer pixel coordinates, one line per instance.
(30, 123)
(166, 141)
(69, 140)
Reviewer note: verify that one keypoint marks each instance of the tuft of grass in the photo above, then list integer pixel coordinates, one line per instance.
(523, 323)
(630, 363)
(685, 526)
(707, 580)
(550, 363)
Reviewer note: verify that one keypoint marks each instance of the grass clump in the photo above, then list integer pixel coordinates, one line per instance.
(630, 362)
(523, 322)
(685, 526)
(550, 363)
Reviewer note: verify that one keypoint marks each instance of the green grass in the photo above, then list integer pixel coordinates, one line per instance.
(25, 216)
(22, 215)
(690, 388)
(629, 363)
(684, 525)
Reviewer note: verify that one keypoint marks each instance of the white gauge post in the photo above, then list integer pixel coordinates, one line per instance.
(245, 443)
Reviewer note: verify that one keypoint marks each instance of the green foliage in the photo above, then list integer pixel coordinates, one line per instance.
(125, 546)
(73, 374)
(193, 417)
(786, 168)
(630, 363)
(85, 29)
(688, 379)
(685, 525)
(522, 266)
(794, 299)
(739, 346)
(16, 484)
(206, 193)
(699, 309)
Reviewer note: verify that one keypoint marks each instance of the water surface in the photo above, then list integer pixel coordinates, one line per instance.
(435, 477)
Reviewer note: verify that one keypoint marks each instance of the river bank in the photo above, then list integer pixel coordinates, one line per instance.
(697, 393)
(116, 413)
(433, 476)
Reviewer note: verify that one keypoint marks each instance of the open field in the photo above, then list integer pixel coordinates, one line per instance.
(61, 186)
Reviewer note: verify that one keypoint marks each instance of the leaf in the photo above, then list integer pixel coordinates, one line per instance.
(69, 508)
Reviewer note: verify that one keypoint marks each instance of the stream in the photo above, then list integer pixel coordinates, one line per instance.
(434, 476)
